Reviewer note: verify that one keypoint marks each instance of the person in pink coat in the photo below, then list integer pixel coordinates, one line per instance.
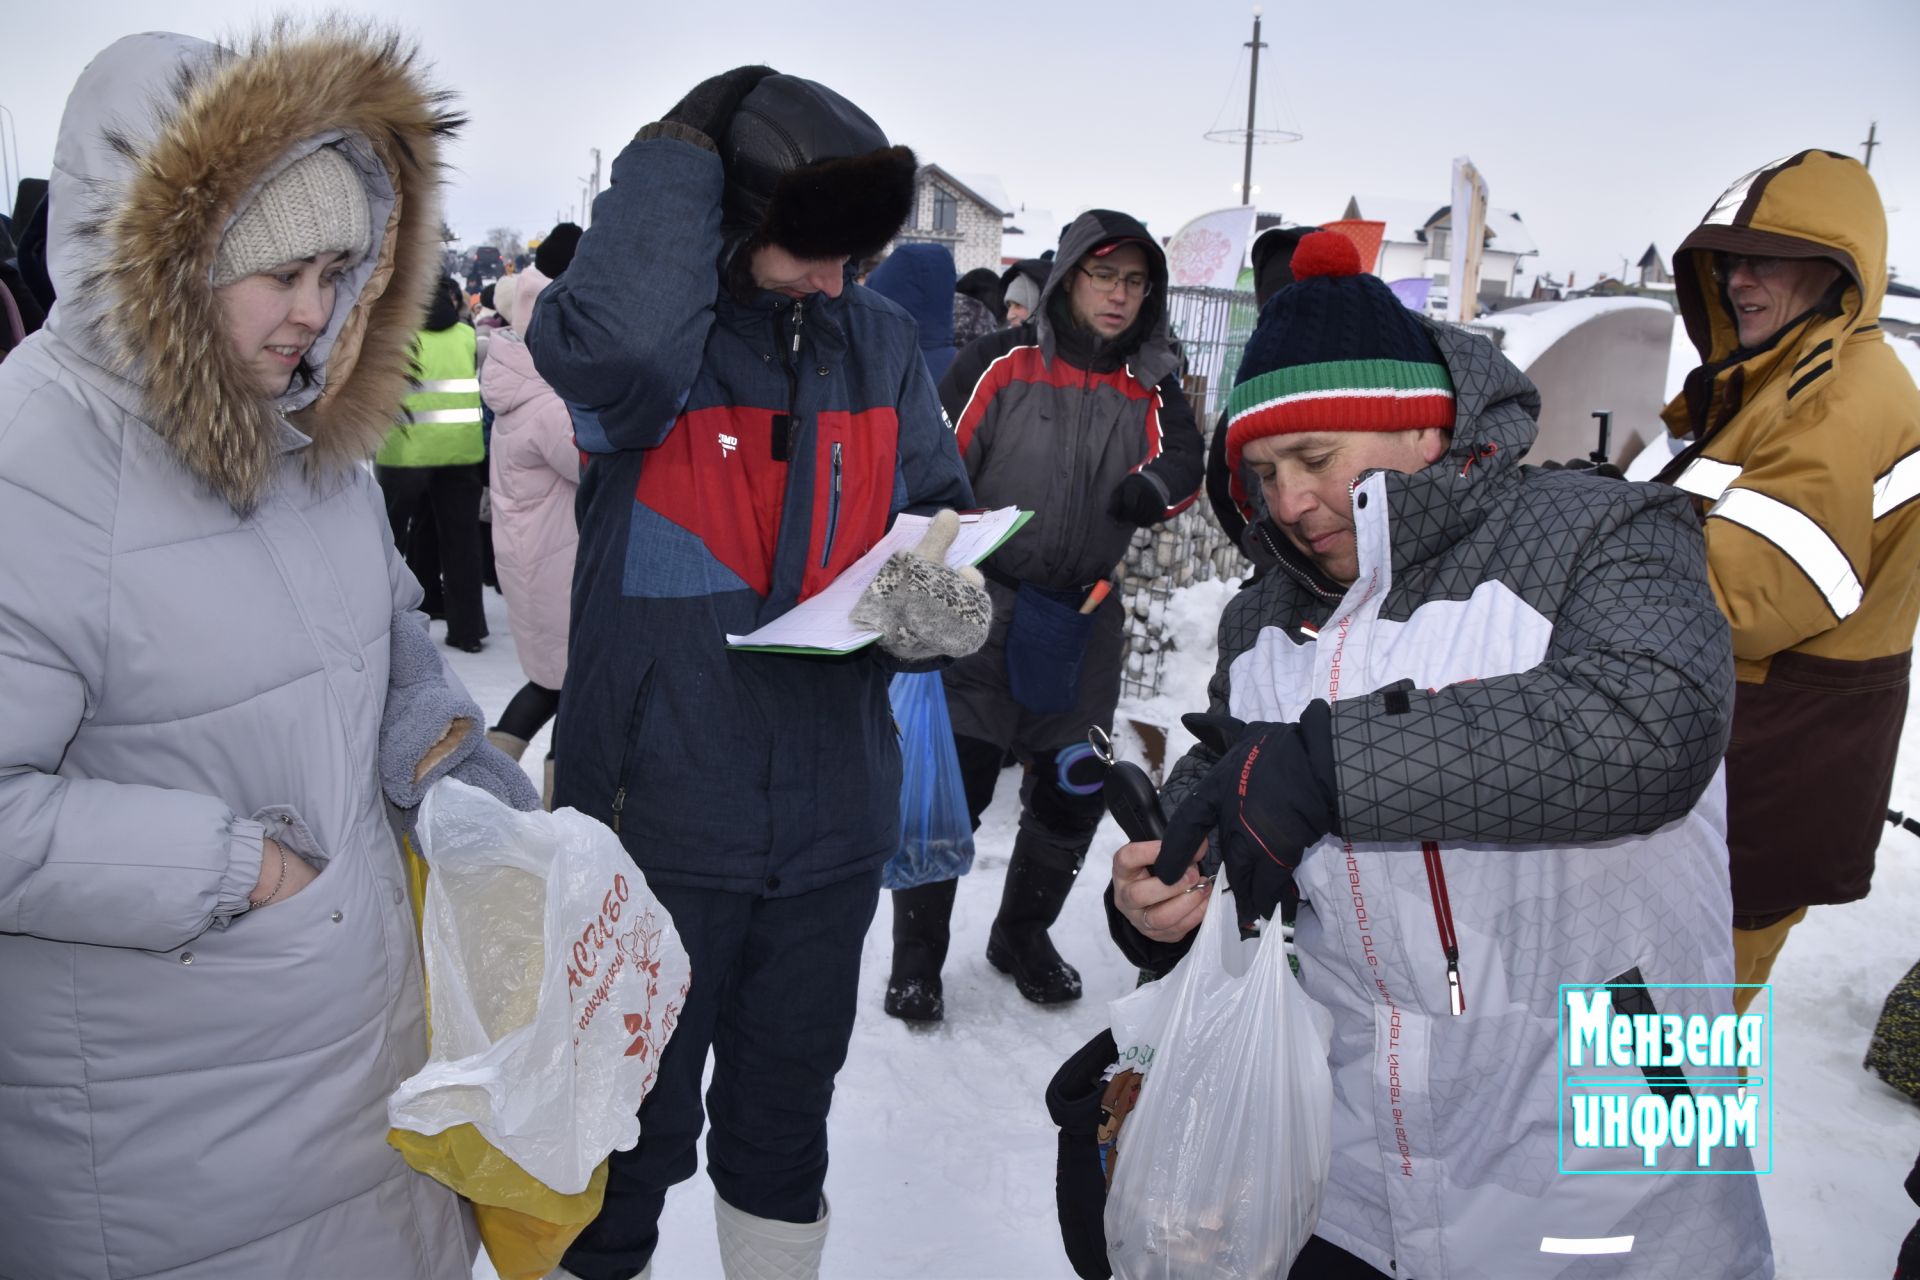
(535, 469)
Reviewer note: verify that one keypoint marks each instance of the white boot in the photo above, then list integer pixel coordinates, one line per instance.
(762, 1249)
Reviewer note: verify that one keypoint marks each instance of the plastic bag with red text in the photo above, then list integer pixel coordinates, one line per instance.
(555, 978)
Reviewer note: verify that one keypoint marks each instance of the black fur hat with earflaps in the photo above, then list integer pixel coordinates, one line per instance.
(812, 173)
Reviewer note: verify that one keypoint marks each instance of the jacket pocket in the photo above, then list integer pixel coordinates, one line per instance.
(1632, 998)
(630, 744)
(285, 825)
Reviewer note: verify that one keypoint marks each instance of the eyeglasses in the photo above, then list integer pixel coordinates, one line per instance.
(1725, 264)
(1106, 280)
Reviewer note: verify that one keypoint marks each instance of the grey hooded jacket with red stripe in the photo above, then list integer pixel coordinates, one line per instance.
(1052, 421)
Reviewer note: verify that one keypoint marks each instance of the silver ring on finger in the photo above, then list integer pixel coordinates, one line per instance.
(1144, 926)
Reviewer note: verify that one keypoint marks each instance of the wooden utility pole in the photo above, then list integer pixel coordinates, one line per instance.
(1869, 144)
(1253, 87)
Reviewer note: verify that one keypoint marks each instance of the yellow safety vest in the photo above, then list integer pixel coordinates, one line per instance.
(443, 426)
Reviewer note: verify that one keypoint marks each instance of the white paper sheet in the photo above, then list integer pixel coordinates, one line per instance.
(820, 624)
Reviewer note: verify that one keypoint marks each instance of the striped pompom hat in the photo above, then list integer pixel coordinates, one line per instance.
(1335, 351)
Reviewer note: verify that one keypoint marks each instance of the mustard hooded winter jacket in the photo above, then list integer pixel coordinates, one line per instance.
(1805, 458)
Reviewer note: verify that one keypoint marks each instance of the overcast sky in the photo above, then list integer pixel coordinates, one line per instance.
(1607, 125)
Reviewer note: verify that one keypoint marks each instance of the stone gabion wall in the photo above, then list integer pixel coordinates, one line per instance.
(1189, 548)
(1211, 326)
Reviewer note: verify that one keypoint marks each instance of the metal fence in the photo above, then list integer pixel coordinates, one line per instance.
(1213, 326)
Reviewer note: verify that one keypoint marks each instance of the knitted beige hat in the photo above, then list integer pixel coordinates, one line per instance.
(317, 204)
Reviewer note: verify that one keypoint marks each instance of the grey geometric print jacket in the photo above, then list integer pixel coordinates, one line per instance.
(1531, 686)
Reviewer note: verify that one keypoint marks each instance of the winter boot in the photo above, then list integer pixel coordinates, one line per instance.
(920, 920)
(763, 1249)
(514, 747)
(1018, 943)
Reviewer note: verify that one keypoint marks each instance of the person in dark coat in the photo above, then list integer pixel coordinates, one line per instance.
(1078, 416)
(1020, 287)
(977, 307)
(920, 278)
(753, 424)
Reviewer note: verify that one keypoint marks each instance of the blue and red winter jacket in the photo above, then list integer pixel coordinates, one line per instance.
(740, 455)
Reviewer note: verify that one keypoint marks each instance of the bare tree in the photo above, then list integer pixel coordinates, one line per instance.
(507, 241)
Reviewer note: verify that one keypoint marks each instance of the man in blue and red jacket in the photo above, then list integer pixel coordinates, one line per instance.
(752, 422)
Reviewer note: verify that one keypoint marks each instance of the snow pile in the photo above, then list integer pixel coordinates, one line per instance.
(1526, 332)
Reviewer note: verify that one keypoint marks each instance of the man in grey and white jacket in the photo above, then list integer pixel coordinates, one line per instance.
(1475, 718)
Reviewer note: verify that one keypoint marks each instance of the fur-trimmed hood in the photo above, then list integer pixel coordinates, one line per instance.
(164, 141)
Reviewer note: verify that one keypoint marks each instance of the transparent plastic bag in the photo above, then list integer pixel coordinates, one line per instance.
(936, 835)
(1219, 1168)
(554, 978)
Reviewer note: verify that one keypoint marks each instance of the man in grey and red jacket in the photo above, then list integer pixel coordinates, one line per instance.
(1077, 416)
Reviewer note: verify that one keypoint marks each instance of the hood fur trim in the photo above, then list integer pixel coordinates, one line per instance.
(234, 118)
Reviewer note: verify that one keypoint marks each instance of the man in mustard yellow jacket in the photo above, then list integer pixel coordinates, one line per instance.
(1805, 456)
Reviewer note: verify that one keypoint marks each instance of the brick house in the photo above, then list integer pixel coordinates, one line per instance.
(957, 213)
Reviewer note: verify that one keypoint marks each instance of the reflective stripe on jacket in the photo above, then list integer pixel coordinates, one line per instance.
(443, 417)
(1805, 461)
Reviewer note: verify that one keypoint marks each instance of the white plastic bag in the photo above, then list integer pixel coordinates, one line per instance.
(1222, 1159)
(555, 978)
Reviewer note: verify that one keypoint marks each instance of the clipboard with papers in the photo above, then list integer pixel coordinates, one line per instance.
(821, 624)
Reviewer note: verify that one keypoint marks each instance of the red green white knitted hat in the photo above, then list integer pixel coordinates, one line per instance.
(1335, 351)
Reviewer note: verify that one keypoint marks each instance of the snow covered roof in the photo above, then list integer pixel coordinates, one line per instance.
(985, 185)
(1407, 221)
(1030, 233)
(979, 197)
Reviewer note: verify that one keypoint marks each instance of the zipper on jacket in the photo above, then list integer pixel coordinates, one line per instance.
(626, 749)
(1443, 918)
(1294, 571)
(786, 425)
(833, 507)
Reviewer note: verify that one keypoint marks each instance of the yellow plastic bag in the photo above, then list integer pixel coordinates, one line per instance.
(525, 1224)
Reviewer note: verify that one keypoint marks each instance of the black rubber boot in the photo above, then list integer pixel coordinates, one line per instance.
(920, 919)
(1018, 944)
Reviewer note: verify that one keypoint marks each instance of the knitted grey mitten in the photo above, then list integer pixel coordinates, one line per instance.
(921, 607)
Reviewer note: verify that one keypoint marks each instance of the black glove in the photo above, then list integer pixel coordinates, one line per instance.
(1137, 502)
(1271, 797)
(1605, 470)
(710, 105)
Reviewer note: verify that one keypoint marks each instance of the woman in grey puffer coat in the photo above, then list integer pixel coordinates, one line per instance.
(209, 974)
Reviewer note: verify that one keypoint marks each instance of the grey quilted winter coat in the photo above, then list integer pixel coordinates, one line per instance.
(196, 596)
(1530, 679)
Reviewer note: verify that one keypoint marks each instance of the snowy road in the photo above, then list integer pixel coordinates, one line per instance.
(943, 1154)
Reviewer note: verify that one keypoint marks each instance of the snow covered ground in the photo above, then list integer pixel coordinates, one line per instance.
(943, 1155)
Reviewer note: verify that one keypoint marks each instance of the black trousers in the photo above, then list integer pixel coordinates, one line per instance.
(435, 514)
(773, 994)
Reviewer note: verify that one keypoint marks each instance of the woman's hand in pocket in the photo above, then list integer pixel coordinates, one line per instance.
(283, 873)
